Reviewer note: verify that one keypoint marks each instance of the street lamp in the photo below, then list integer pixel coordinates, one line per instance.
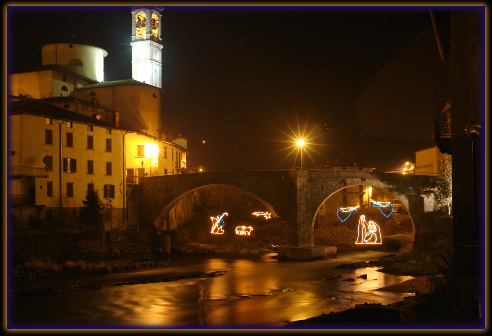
(300, 143)
(473, 131)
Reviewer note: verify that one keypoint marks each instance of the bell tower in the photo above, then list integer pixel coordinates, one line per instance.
(147, 46)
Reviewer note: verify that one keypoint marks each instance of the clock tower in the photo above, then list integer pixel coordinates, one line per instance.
(147, 46)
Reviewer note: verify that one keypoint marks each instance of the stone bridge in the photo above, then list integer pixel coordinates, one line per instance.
(291, 195)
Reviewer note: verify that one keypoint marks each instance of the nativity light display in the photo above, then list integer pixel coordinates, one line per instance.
(349, 210)
(265, 214)
(368, 233)
(218, 224)
(386, 205)
(244, 230)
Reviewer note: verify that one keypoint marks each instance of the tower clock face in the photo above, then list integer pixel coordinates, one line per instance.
(141, 23)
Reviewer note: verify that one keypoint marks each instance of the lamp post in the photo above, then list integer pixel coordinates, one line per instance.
(300, 143)
(473, 131)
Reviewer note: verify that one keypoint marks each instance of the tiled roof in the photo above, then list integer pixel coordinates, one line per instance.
(62, 70)
(72, 39)
(114, 83)
(42, 108)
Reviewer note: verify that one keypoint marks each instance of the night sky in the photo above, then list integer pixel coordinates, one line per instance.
(247, 79)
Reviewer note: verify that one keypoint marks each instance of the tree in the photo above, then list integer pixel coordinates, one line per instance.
(90, 212)
(444, 190)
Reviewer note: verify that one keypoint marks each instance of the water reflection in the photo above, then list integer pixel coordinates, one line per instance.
(254, 291)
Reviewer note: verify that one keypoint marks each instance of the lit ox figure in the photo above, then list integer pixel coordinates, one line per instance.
(244, 230)
(267, 215)
(218, 224)
(368, 233)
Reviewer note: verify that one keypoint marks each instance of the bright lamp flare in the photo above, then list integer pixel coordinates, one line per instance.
(300, 142)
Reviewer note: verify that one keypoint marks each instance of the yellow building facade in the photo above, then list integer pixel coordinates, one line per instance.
(70, 131)
(429, 161)
(55, 157)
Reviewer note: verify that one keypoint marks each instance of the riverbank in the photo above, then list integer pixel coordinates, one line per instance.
(45, 278)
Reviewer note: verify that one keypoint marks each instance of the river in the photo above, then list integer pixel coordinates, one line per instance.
(255, 292)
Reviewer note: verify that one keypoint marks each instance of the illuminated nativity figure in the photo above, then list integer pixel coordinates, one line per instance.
(368, 233)
(218, 224)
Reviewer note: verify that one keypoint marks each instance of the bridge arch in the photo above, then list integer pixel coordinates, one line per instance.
(160, 222)
(328, 219)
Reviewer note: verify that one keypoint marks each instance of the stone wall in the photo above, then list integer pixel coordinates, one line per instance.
(292, 196)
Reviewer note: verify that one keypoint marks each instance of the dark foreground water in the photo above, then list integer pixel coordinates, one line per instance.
(254, 292)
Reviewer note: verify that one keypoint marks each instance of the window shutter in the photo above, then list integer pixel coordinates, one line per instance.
(73, 165)
(65, 163)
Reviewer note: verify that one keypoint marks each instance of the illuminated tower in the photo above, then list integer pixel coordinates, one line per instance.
(146, 46)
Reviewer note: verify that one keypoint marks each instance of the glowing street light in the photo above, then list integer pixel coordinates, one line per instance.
(152, 153)
(300, 143)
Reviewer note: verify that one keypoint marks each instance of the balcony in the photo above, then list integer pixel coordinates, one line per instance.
(18, 171)
(443, 134)
(17, 200)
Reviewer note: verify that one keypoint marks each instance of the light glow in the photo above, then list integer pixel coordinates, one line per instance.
(152, 151)
(244, 230)
(218, 224)
(383, 205)
(350, 210)
(265, 214)
(154, 25)
(368, 233)
(300, 142)
(140, 24)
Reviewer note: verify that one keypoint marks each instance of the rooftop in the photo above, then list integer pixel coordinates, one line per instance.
(115, 83)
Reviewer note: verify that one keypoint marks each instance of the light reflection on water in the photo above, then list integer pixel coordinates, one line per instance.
(254, 291)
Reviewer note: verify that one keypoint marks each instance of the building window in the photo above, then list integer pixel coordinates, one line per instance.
(69, 189)
(69, 124)
(140, 150)
(165, 152)
(49, 189)
(90, 167)
(90, 186)
(49, 162)
(109, 168)
(108, 145)
(90, 142)
(48, 137)
(165, 171)
(109, 191)
(69, 139)
(69, 165)
(108, 130)
(64, 78)
(49, 121)
(90, 128)
(76, 61)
